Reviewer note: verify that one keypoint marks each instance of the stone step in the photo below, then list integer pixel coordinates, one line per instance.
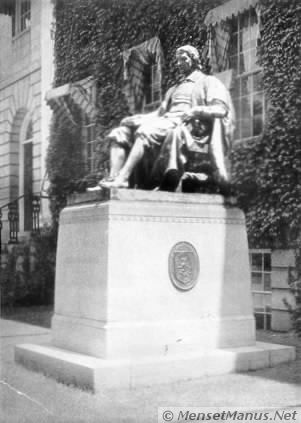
(96, 374)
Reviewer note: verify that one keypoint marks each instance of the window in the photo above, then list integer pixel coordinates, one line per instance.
(247, 92)
(261, 287)
(152, 90)
(25, 15)
(74, 103)
(142, 65)
(89, 134)
(21, 16)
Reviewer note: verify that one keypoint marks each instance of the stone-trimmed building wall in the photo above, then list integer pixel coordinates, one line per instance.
(26, 73)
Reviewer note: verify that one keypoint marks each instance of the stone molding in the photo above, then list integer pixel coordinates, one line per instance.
(150, 206)
(71, 219)
(104, 324)
(146, 196)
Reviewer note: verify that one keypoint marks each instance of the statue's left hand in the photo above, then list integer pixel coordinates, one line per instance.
(191, 114)
(199, 112)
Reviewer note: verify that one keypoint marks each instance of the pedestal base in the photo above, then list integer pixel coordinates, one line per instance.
(150, 286)
(97, 374)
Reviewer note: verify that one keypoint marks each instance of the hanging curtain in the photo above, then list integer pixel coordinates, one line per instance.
(218, 30)
(247, 34)
(259, 23)
(135, 61)
(227, 10)
(218, 47)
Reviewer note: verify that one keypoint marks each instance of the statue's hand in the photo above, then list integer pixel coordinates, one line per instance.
(190, 115)
(207, 112)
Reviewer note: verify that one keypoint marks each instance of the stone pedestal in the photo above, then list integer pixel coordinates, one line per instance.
(150, 286)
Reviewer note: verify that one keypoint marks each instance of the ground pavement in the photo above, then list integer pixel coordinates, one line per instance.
(30, 397)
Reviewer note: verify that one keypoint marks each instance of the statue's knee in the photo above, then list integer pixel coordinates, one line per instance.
(142, 138)
(120, 136)
(142, 131)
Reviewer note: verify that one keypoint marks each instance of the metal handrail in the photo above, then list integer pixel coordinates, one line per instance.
(20, 197)
(12, 201)
(13, 216)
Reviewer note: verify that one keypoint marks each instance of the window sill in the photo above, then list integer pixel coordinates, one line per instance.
(151, 107)
(246, 140)
(249, 73)
(20, 34)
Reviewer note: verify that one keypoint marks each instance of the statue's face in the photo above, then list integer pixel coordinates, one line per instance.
(184, 62)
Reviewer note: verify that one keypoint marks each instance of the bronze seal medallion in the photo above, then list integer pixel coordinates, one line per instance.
(184, 266)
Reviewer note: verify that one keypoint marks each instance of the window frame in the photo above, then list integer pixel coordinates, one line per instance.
(90, 141)
(154, 86)
(255, 69)
(19, 17)
(266, 313)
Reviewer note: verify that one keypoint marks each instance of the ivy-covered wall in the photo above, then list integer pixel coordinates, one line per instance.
(267, 171)
(90, 38)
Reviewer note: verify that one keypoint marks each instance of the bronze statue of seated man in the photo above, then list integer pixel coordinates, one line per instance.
(195, 113)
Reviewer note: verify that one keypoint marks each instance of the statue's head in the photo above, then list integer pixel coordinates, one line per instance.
(188, 59)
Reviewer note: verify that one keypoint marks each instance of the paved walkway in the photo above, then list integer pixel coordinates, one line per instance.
(30, 397)
(10, 328)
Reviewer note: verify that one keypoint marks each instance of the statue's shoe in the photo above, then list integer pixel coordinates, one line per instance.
(101, 184)
(117, 183)
(93, 189)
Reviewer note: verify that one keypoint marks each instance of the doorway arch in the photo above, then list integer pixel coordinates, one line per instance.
(21, 167)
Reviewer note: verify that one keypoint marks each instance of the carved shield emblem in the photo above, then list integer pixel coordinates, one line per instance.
(184, 266)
